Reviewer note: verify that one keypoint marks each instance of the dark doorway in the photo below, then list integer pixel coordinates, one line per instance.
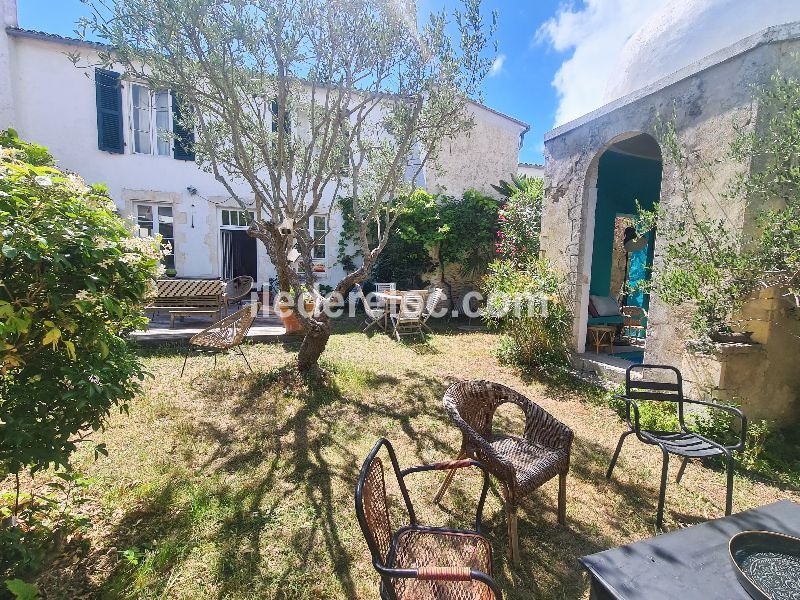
(239, 254)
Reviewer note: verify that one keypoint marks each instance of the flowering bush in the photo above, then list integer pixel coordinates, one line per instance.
(73, 279)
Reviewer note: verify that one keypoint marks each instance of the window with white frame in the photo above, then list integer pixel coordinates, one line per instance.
(319, 229)
(151, 120)
(156, 219)
(237, 218)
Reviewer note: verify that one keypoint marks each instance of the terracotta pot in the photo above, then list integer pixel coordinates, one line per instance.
(289, 318)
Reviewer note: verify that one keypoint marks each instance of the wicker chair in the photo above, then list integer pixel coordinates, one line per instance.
(521, 465)
(224, 335)
(237, 289)
(415, 561)
(634, 325)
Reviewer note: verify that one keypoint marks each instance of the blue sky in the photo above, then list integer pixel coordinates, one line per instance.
(554, 56)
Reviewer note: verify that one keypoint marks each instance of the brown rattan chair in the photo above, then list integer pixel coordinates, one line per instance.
(521, 464)
(237, 289)
(225, 335)
(417, 562)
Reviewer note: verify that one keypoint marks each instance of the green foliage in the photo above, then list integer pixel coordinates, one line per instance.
(521, 221)
(22, 590)
(517, 184)
(73, 279)
(470, 232)
(711, 262)
(528, 304)
(25, 544)
(457, 230)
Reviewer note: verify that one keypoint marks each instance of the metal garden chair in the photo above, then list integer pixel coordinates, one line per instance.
(520, 464)
(225, 335)
(416, 561)
(684, 442)
(382, 288)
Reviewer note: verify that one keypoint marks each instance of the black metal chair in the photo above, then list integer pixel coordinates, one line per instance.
(684, 443)
(415, 561)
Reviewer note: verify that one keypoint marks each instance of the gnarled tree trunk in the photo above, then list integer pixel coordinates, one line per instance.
(313, 345)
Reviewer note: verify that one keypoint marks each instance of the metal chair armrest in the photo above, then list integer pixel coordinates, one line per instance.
(457, 464)
(731, 410)
(436, 573)
(635, 426)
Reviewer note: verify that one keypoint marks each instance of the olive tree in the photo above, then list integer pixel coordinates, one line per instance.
(305, 101)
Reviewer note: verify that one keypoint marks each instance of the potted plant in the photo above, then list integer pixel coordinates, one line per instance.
(288, 314)
(171, 273)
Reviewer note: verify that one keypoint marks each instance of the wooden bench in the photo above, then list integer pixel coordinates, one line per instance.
(189, 297)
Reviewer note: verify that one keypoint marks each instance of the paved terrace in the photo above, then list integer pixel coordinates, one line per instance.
(266, 328)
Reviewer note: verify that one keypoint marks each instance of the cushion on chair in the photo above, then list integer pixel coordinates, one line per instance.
(605, 306)
(534, 464)
(592, 309)
(415, 548)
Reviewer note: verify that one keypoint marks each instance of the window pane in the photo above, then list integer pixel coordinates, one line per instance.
(243, 219)
(162, 110)
(141, 119)
(319, 225)
(226, 217)
(144, 218)
(319, 251)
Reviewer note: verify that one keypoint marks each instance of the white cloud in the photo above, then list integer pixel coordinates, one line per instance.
(595, 32)
(497, 65)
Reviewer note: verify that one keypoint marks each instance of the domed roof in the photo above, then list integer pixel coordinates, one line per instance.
(685, 31)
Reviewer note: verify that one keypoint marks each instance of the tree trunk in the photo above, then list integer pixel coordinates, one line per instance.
(313, 346)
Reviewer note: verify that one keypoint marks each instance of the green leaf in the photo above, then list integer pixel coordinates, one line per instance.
(9, 251)
(52, 337)
(22, 590)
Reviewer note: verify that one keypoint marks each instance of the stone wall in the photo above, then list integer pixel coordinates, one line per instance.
(478, 158)
(707, 102)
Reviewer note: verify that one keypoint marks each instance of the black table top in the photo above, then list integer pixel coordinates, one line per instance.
(688, 564)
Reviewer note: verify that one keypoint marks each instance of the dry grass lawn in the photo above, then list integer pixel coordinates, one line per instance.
(224, 484)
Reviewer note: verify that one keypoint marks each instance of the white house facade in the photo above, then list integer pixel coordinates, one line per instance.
(108, 130)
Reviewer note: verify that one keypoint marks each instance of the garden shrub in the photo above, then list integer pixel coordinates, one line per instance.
(527, 304)
(430, 232)
(526, 296)
(74, 280)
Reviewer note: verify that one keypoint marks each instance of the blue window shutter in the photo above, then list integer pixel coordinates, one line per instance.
(184, 137)
(108, 97)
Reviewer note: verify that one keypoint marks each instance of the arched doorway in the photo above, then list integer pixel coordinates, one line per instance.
(625, 174)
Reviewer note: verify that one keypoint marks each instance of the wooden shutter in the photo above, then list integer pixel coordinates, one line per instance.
(184, 137)
(108, 97)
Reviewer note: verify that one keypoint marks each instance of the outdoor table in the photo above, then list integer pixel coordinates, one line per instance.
(602, 335)
(689, 564)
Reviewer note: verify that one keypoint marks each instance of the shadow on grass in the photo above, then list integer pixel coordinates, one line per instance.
(256, 498)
